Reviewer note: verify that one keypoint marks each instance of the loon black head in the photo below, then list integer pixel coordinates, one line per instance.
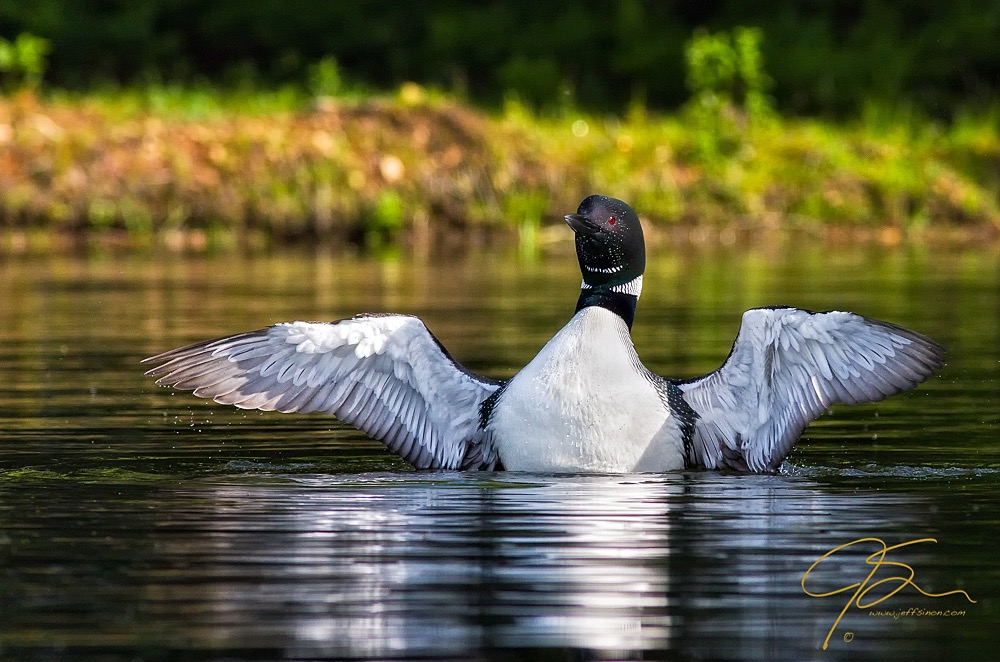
(612, 254)
(609, 245)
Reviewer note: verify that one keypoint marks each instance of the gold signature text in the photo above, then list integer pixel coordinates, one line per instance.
(861, 598)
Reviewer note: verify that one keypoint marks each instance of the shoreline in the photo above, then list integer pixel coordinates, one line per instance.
(412, 170)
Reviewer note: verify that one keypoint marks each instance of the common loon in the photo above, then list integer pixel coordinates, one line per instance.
(585, 403)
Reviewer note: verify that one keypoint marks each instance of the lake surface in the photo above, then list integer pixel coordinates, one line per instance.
(137, 523)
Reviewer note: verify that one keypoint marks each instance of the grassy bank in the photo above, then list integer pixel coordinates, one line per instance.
(184, 169)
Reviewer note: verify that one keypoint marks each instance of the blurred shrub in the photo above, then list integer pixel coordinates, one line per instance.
(725, 73)
(827, 57)
(23, 61)
(324, 78)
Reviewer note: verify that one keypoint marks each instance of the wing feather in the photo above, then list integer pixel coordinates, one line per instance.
(787, 366)
(385, 374)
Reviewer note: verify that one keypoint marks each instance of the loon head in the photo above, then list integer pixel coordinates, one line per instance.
(609, 245)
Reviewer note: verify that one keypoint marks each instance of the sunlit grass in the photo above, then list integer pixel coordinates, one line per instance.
(165, 161)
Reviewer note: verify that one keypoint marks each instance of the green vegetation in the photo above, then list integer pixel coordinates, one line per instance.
(191, 165)
(830, 58)
(728, 91)
(387, 168)
(22, 61)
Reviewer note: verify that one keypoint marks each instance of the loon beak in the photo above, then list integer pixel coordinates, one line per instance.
(581, 224)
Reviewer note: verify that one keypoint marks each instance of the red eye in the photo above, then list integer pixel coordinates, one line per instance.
(612, 220)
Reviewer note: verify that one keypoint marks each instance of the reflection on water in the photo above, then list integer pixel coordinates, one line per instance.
(140, 524)
(413, 564)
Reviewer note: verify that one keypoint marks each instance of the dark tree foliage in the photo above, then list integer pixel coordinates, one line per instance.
(823, 56)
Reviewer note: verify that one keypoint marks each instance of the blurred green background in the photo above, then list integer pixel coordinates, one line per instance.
(383, 122)
(824, 57)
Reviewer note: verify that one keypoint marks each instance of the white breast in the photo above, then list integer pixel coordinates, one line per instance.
(583, 404)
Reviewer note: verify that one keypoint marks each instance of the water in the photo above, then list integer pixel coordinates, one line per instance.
(140, 524)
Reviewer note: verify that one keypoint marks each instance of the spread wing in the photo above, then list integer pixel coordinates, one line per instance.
(385, 374)
(786, 368)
